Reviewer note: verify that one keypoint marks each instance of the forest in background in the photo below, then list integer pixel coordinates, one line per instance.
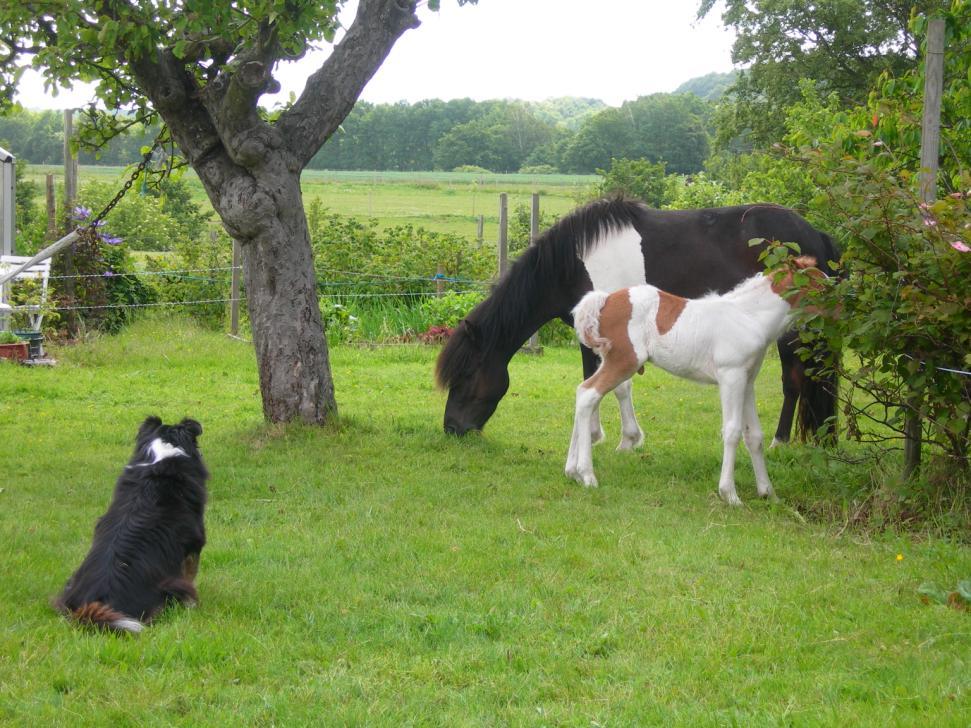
(570, 135)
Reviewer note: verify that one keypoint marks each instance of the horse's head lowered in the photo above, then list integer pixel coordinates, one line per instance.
(475, 376)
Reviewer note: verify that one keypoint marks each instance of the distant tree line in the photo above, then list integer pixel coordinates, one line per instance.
(569, 135)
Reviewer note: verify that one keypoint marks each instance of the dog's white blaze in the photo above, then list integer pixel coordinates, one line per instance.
(161, 450)
(616, 261)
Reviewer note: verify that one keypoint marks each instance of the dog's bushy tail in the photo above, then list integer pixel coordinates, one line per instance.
(586, 321)
(101, 616)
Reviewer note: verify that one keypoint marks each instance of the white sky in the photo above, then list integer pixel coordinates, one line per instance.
(613, 50)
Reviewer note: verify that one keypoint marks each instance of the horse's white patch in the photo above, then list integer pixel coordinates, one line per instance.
(616, 261)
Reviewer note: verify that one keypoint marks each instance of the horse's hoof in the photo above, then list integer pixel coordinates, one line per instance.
(628, 443)
(776, 442)
(597, 436)
(589, 481)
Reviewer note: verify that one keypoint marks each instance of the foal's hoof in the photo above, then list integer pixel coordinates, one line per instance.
(731, 499)
(597, 436)
(630, 443)
(776, 442)
(588, 481)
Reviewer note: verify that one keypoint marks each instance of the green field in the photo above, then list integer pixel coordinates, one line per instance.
(378, 572)
(439, 201)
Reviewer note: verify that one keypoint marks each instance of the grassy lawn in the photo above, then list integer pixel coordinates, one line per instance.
(378, 572)
(440, 201)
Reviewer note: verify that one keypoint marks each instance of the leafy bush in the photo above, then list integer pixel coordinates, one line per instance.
(637, 178)
(451, 308)
(94, 283)
(474, 169)
(700, 190)
(538, 169)
(356, 257)
(199, 270)
(903, 296)
(141, 219)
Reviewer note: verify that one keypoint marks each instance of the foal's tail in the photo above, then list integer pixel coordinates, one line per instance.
(101, 616)
(586, 321)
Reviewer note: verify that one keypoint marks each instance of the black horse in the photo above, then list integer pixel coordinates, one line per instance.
(611, 244)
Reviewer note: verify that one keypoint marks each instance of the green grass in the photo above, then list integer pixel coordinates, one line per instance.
(378, 572)
(439, 201)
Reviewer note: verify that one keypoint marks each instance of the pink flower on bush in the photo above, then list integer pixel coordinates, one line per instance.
(960, 247)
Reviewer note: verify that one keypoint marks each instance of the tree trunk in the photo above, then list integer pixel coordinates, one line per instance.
(281, 295)
(250, 169)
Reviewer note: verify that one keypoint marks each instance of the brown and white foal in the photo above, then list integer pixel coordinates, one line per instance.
(718, 339)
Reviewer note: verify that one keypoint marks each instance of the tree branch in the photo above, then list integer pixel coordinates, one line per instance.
(332, 91)
(174, 96)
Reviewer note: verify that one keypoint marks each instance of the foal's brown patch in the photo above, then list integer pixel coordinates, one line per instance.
(669, 308)
(619, 361)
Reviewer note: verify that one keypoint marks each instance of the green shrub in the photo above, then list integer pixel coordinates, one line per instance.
(637, 178)
(199, 270)
(449, 309)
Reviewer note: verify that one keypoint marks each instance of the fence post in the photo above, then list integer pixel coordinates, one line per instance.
(533, 345)
(480, 231)
(51, 209)
(234, 289)
(930, 143)
(439, 281)
(71, 318)
(503, 233)
(8, 202)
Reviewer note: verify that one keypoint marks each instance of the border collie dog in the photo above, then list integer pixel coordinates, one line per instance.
(145, 551)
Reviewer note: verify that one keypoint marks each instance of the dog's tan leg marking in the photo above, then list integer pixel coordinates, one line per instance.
(190, 568)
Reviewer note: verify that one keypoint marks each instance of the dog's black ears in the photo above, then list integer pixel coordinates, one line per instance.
(150, 424)
(192, 426)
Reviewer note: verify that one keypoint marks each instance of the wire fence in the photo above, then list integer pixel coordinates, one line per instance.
(325, 287)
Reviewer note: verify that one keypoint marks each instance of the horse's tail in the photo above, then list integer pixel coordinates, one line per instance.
(102, 616)
(816, 412)
(817, 408)
(586, 321)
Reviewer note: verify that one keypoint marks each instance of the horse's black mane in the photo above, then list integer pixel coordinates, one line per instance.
(552, 262)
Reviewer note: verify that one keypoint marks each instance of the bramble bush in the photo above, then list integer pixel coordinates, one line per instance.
(904, 293)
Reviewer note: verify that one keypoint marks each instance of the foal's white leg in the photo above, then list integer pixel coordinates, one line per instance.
(753, 441)
(731, 387)
(596, 429)
(631, 434)
(579, 460)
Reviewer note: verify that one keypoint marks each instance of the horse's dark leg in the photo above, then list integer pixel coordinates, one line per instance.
(590, 364)
(793, 373)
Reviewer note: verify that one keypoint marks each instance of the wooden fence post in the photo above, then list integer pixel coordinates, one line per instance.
(234, 289)
(480, 231)
(533, 345)
(71, 318)
(51, 209)
(439, 281)
(503, 233)
(930, 143)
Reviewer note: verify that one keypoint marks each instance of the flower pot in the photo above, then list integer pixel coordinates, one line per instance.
(15, 352)
(35, 343)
